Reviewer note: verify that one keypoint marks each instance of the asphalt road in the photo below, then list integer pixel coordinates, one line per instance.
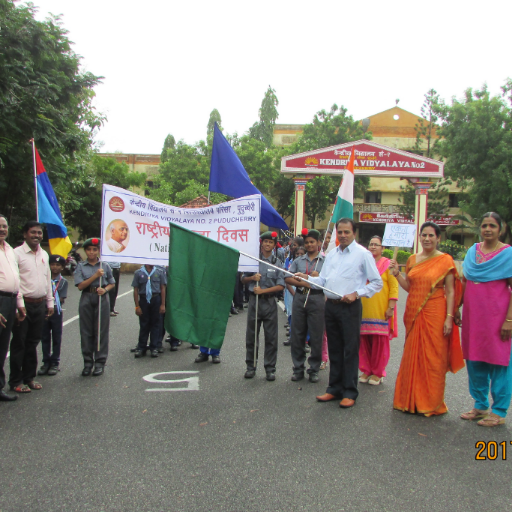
(110, 444)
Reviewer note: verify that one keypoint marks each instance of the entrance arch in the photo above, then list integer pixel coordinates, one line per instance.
(371, 159)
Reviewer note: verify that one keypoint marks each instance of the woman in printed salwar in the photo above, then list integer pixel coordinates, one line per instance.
(432, 342)
(487, 324)
(379, 323)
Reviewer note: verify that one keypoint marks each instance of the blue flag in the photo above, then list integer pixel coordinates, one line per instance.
(228, 176)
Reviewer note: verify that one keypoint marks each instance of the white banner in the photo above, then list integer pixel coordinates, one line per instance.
(399, 235)
(135, 229)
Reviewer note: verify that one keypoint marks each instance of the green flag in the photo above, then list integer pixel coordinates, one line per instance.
(200, 287)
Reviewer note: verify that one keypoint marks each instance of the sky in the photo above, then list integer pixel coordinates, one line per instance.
(168, 64)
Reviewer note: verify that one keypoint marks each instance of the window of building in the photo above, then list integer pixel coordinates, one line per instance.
(372, 197)
(453, 200)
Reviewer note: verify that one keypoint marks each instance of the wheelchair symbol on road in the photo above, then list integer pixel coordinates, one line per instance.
(192, 383)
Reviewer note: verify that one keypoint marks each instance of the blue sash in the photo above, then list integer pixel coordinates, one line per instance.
(499, 267)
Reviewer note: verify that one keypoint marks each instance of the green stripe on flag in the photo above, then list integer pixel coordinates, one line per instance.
(343, 209)
(201, 280)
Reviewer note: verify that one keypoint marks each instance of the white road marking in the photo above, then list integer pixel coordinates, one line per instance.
(192, 382)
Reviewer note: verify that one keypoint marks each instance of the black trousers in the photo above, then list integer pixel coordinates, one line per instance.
(25, 338)
(150, 322)
(238, 297)
(8, 310)
(343, 327)
(116, 273)
(52, 339)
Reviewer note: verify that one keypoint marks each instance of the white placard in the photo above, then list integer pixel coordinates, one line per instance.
(399, 235)
(135, 229)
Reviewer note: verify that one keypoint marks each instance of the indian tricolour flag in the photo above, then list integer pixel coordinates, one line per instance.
(344, 206)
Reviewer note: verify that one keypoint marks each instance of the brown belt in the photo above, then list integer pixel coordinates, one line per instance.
(34, 301)
(340, 301)
(305, 290)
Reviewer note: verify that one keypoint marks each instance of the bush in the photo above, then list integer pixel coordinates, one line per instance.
(402, 257)
(452, 248)
(387, 253)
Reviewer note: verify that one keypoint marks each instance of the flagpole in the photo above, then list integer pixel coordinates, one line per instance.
(99, 311)
(255, 358)
(286, 272)
(35, 177)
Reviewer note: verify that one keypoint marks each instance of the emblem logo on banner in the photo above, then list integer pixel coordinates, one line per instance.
(116, 204)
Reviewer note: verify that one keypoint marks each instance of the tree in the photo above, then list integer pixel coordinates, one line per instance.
(169, 143)
(437, 202)
(264, 129)
(86, 216)
(214, 118)
(426, 131)
(43, 95)
(477, 146)
(329, 129)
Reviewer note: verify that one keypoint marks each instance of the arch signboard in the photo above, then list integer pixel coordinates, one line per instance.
(371, 159)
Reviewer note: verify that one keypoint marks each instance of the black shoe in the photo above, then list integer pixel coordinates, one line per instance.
(297, 376)
(201, 358)
(287, 343)
(215, 359)
(140, 353)
(53, 370)
(160, 350)
(174, 348)
(4, 397)
(249, 374)
(154, 353)
(86, 371)
(134, 349)
(44, 369)
(233, 311)
(194, 346)
(271, 376)
(168, 339)
(313, 377)
(98, 370)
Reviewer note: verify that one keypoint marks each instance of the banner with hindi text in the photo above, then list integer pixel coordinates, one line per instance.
(135, 229)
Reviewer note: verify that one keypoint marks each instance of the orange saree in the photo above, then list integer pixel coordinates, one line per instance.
(428, 355)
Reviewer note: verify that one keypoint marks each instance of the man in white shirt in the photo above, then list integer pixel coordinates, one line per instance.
(346, 271)
(11, 301)
(36, 287)
(118, 236)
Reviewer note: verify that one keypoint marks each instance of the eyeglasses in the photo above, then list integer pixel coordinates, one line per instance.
(374, 245)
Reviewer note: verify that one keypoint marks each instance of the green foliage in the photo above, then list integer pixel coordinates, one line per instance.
(85, 215)
(387, 253)
(437, 202)
(477, 146)
(328, 129)
(170, 143)
(214, 118)
(45, 96)
(452, 248)
(424, 130)
(402, 257)
(263, 130)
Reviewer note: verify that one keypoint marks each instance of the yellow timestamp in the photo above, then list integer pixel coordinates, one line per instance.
(491, 450)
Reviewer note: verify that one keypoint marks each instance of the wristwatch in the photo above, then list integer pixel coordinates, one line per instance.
(357, 296)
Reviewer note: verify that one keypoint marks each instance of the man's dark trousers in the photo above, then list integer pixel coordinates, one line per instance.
(343, 327)
(150, 322)
(25, 338)
(52, 339)
(8, 309)
(116, 272)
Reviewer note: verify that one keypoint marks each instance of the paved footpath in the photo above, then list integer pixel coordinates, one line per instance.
(124, 443)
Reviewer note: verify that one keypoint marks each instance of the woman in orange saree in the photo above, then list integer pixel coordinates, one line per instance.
(432, 342)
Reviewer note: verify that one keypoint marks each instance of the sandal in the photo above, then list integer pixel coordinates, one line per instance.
(323, 366)
(375, 381)
(492, 420)
(364, 378)
(34, 385)
(474, 414)
(21, 388)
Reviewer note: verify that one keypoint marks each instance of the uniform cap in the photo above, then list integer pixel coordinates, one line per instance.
(269, 235)
(91, 242)
(56, 258)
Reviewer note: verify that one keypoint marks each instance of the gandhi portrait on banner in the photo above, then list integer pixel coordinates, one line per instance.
(117, 235)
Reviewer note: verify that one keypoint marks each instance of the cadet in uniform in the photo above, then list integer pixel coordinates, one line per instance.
(307, 316)
(149, 283)
(267, 283)
(87, 280)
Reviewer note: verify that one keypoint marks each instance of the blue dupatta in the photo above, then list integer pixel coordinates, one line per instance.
(499, 267)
